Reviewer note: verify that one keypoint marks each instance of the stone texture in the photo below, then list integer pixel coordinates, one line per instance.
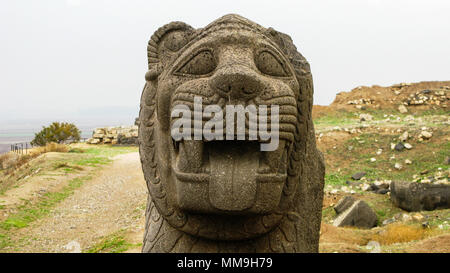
(191, 207)
(402, 109)
(344, 203)
(358, 176)
(358, 214)
(126, 135)
(412, 196)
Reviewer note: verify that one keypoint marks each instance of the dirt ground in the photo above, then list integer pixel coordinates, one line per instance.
(112, 201)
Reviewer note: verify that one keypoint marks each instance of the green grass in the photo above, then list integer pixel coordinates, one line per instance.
(335, 179)
(424, 156)
(101, 155)
(338, 118)
(110, 151)
(30, 212)
(328, 214)
(114, 243)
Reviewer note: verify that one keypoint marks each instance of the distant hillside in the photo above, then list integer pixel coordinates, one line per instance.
(431, 95)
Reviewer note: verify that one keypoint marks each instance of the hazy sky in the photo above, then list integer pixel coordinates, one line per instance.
(79, 59)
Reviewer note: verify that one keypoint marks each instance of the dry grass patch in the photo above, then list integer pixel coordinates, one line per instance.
(50, 147)
(400, 233)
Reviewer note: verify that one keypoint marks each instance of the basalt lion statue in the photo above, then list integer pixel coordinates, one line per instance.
(221, 195)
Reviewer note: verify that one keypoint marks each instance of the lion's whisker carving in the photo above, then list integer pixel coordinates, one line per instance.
(219, 191)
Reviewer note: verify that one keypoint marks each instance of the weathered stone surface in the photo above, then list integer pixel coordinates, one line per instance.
(359, 214)
(412, 196)
(365, 117)
(358, 176)
(402, 109)
(207, 200)
(127, 135)
(344, 203)
(399, 147)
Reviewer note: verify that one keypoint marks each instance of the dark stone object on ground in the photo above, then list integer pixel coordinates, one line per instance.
(344, 203)
(382, 191)
(123, 140)
(412, 196)
(358, 214)
(358, 176)
(229, 196)
(399, 147)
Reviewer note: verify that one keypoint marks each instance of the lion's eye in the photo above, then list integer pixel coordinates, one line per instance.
(268, 64)
(202, 63)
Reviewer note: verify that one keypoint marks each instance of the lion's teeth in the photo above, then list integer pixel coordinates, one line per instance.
(190, 156)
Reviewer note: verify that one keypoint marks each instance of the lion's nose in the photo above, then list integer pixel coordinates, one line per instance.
(237, 82)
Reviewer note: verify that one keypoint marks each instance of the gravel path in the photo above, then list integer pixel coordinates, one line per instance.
(111, 202)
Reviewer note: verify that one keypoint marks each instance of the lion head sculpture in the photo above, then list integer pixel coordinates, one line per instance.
(224, 195)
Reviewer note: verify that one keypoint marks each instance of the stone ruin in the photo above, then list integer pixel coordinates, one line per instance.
(125, 135)
(228, 196)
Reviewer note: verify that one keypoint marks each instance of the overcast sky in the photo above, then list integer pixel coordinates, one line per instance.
(81, 59)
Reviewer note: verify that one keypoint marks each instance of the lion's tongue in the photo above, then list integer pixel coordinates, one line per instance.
(233, 168)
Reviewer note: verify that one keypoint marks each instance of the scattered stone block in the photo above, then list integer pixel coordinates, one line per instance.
(412, 196)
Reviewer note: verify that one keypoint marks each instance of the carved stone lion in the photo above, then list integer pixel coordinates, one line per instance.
(228, 196)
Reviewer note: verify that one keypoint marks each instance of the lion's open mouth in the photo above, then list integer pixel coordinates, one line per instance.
(233, 174)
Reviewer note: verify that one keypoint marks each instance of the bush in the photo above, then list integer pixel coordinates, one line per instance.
(57, 132)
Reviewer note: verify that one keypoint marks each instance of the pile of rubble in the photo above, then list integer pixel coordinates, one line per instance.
(437, 97)
(115, 135)
(361, 101)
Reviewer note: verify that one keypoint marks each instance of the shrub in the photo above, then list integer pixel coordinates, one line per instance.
(56, 132)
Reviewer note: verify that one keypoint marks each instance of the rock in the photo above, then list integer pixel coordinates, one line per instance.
(403, 217)
(412, 196)
(404, 136)
(93, 141)
(407, 146)
(373, 159)
(365, 117)
(382, 191)
(425, 135)
(358, 176)
(408, 162)
(392, 146)
(359, 214)
(388, 221)
(399, 147)
(447, 160)
(343, 204)
(379, 151)
(381, 184)
(366, 187)
(398, 166)
(417, 217)
(424, 172)
(402, 109)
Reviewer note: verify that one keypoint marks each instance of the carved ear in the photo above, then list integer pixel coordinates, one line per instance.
(163, 44)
